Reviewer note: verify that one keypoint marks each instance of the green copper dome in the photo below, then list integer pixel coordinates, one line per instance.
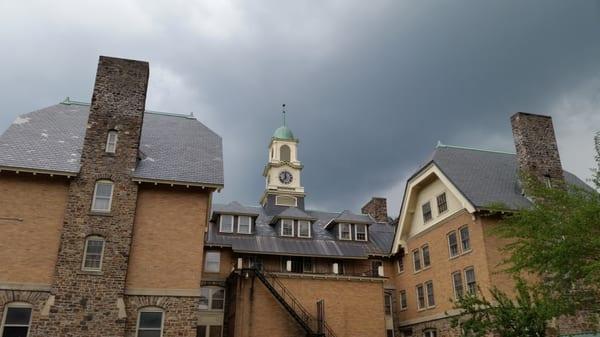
(283, 132)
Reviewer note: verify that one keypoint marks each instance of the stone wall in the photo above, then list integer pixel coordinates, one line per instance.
(180, 314)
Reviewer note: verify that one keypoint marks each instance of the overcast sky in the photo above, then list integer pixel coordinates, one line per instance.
(371, 86)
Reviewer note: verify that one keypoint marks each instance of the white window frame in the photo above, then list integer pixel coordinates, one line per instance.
(458, 243)
(460, 235)
(211, 292)
(356, 226)
(422, 250)
(206, 261)
(417, 253)
(112, 190)
(429, 305)
(430, 212)
(424, 306)
(111, 144)
(85, 252)
(437, 202)
(277, 203)
(5, 313)
(454, 285)
(307, 223)
(349, 231)
(221, 223)
(405, 305)
(150, 309)
(249, 218)
(281, 225)
(466, 280)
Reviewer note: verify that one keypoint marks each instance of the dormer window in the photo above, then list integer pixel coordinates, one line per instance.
(226, 225)
(111, 141)
(244, 224)
(303, 229)
(360, 232)
(345, 231)
(287, 227)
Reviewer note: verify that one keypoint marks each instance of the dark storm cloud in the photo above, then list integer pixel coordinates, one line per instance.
(370, 86)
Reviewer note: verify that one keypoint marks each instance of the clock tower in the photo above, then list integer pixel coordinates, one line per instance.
(283, 186)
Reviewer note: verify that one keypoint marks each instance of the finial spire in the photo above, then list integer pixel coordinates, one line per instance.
(283, 112)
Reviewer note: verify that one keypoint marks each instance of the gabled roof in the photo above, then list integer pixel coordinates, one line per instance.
(173, 148)
(266, 239)
(293, 213)
(348, 217)
(234, 208)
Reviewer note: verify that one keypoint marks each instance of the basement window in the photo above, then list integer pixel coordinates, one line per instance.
(150, 322)
(16, 320)
(103, 193)
(111, 141)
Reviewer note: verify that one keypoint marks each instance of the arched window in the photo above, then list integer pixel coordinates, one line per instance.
(111, 141)
(103, 193)
(16, 319)
(284, 153)
(150, 322)
(93, 253)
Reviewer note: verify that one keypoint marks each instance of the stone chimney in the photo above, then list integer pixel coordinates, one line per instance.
(377, 208)
(537, 150)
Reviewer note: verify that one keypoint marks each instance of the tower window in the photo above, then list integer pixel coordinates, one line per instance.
(16, 320)
(102, 196)
(93, 254)
(286, 200)
(150, 322)
(111, 141)
(285, 153)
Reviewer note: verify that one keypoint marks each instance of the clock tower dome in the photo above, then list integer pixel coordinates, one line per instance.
(283, 186)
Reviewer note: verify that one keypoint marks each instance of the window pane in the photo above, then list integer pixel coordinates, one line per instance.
(104, 189)
(287, 227)
(452, 244)
(213, 260)
(95, 246)
(430, 295)
(403, 302)
(388, 304)
(470, 279)
(417, 260)
(215, 331)
(303, 228)
(426, 258)
(421, 296)
(227, 223)
(101, 204)
(345, 231)
(150, 320)
(18, 316)
(15, 331)
(464, 237)
(441, 203)
(149, 333)
(204, 296)
(201, 331)
(426, 208)
(244, 224)
(361, 232)
(458, 286)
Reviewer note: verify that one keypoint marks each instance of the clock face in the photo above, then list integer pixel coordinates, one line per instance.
(285, 177)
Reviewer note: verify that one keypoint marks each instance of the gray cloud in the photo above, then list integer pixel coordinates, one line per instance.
(371, 86)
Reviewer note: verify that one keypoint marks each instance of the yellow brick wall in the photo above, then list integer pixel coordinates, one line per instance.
(168, 238)
(29, 248)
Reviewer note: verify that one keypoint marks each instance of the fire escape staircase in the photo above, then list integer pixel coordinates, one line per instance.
(313, 326)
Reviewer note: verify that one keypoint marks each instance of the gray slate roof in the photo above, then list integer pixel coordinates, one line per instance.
(266, 239)
(173, 147)
(486, 177)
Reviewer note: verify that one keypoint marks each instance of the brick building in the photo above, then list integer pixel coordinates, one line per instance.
(107, 229)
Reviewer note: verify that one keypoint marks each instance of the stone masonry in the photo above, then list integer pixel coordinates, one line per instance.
(377, 208)
(91, 303)
(537, 150)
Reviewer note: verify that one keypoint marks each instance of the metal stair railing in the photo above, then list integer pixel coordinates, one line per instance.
(308, 322)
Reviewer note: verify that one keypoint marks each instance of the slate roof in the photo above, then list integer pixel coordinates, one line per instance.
(486, 177)
(173, 148)
(266, 239)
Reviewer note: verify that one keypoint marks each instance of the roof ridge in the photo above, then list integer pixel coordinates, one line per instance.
(439, 144)
(69, 101)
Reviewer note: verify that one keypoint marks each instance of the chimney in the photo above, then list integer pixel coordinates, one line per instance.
(537, 150)
(377, 208)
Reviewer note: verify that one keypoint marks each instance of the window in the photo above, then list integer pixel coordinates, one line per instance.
(464, 239)
(426, 257)
(111, 142)
(426, 208)
(375, 264)
(226, 224)
(403, 300)
(470, 280)
(430, 295)
(303, 229)
(420, 297)
(244, 224)
(298, 264)
(387, 300)
(16, 320)
(285, 200)
(284, 153)
(430, 333)
(307, 265)
(389, 333)
(93, 253)
(345, 231)
(417, 260)
(209, 331)
(103, 193)
(212, 298)
(457, 284)
(360, 232)
(400, 264)
(212, 262)
(442, 204)
(453, 244)
(287, 227)
(255, 262)
(150, 322)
